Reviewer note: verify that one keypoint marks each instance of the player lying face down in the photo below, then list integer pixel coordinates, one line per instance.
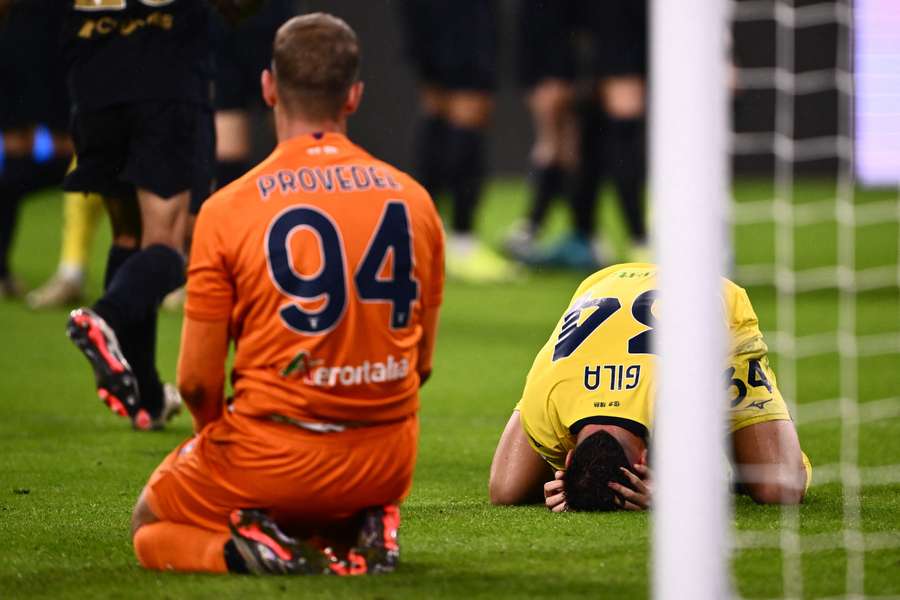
(304, 471)
(578, 438)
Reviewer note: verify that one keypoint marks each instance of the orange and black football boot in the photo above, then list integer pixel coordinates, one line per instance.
(377, 549)
(117, 386)
(266, 550)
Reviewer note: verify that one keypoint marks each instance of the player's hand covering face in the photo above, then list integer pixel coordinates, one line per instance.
(555, 493)
(637, 496)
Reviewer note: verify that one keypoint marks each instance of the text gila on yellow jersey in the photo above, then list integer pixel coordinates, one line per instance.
(598, 365)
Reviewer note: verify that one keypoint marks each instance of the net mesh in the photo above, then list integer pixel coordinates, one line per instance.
(813, 232)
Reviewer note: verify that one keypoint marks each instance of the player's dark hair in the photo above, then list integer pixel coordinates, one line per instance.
(316, 60)
(595, 463)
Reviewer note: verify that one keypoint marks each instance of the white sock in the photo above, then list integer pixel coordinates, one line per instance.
(461, 243)
(71, 273)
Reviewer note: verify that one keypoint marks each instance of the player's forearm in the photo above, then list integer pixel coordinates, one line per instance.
(201, 369)
(204, 401)
(517, 473)
(203, 392)
(769, 464)
(427, 343)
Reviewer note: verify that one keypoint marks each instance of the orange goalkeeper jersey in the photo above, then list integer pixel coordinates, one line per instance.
(322, 258)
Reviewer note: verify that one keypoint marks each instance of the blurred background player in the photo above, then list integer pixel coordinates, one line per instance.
(608, 40)
(240, 53)
(452, 45)
(35, 148)
(241, 50)
(579, 434)
(81, 217)
(547, 65)
(619, 31)
(291, 264)
(139, 80)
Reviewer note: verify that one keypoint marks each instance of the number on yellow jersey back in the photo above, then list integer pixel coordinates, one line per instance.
(572, 335)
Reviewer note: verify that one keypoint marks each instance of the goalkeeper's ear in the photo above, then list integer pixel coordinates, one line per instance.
(235, 11)
(269, 91)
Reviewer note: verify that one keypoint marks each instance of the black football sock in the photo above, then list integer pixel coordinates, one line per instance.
(130, 306)
(546, 183)
(9, 216)
(229, 170)
(138, 343)
(430, 148)
(584, 202)
(139, 347)
(588, 177)
(20, 177)
(139, 285)
(15, 182)
(626, 163)
(233, 559)
(116, 258)
(465, 174)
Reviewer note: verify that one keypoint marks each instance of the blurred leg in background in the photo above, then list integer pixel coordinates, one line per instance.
(34, 112)
(611, 127)
(233, 145)
(30, 162)
(584, 249)
(15, 145)
(147, 183)
(547, 67)
(240, 53)
(621, 30)
(453, 48)
(81, 216)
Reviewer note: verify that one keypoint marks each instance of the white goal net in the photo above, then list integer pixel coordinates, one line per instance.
(827, 249)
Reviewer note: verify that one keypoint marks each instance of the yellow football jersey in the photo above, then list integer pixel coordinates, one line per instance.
(598, 365)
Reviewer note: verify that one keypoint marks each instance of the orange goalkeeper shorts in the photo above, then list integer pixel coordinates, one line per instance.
(299, 476)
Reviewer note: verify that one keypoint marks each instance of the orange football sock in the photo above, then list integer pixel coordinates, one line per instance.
(177, 547)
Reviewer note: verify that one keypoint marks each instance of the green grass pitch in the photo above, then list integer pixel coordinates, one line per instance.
(70, 471)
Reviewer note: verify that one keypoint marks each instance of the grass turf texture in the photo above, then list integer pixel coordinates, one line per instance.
(70, 471)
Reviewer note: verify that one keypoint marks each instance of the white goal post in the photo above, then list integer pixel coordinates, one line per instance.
(847, 52)
(689, 179)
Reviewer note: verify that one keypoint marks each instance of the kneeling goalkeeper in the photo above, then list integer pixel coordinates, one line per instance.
(323, 268)
(580, 433)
